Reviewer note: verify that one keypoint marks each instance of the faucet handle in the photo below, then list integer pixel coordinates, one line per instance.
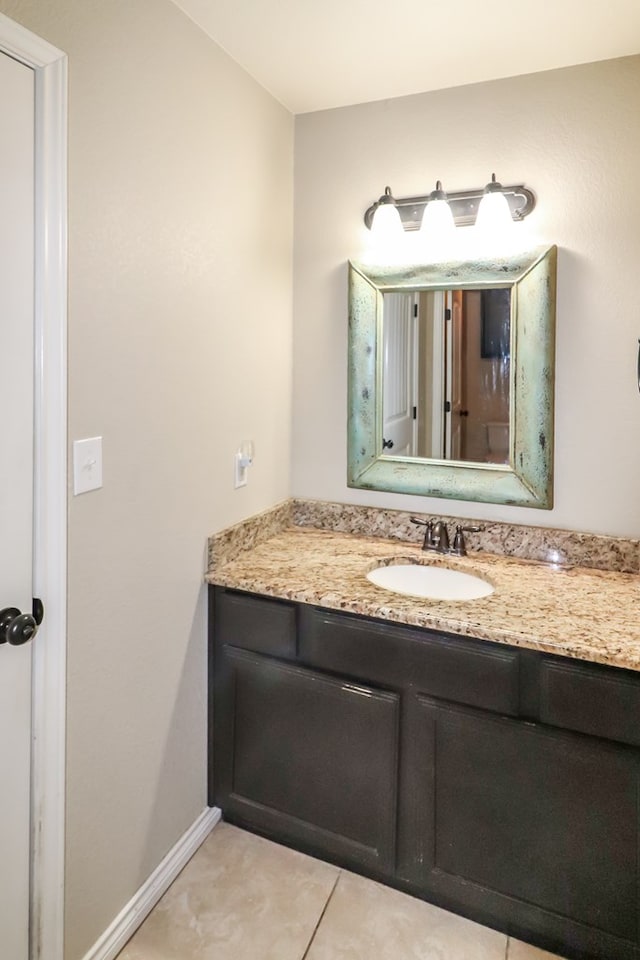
(428, 533)
(420, 522)
(459, 546)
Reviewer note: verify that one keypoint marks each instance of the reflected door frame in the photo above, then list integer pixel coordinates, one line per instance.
(439, 418)
(455, 389)
(50, 484)
(400, 374)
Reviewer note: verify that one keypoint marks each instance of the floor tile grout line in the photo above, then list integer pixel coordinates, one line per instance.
(321, 917)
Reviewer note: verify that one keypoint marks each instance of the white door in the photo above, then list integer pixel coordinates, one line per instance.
(400, 358)
(16, 492)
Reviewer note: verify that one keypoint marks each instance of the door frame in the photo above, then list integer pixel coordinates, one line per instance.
(50, 485)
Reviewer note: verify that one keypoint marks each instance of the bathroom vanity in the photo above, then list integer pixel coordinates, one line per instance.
(499, 780)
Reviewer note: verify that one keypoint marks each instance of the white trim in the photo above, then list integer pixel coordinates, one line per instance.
(128, 920)
(50, 515)
(25, 46)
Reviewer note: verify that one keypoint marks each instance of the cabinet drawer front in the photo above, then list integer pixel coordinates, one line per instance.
(470, 672)
(264, 626)
(601, 702)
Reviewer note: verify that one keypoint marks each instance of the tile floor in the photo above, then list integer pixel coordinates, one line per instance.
(245, 898)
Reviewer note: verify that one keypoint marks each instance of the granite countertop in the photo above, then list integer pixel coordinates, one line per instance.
(568, 611)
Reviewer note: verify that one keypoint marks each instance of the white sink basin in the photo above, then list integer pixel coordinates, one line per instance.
(436, 583)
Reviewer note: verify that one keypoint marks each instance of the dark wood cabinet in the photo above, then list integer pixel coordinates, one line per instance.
(497, 782)
(312, 758)
(525, 826)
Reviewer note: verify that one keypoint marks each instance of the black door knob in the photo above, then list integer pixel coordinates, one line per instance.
(22, 629)
(17, 628)
(7, 616)
(387, 444)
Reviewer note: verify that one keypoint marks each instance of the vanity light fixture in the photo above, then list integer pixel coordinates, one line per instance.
(464, 205)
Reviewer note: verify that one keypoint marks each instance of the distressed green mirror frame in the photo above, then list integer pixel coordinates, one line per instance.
(527, 480)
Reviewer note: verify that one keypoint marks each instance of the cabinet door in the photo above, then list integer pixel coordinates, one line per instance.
(526, 827)
(307, 758)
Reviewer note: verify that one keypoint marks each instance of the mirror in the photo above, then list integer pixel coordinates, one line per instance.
(451, 370)
(446, 374)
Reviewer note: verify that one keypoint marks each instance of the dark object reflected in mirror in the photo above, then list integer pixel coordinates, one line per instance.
(495, 327)
(477, 422)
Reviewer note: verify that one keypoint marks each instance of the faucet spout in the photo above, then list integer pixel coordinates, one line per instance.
(440, 537)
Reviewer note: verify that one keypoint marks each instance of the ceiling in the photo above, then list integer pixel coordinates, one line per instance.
(317, 54)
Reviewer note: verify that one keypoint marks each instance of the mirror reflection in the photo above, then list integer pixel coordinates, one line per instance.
(446, 374)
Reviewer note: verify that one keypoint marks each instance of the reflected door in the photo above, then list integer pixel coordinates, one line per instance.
(400, 358)
(16, 494)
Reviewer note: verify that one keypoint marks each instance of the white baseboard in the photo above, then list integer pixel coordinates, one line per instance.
(129, 919)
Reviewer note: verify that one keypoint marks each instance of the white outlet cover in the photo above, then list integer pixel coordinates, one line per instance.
(87, 465)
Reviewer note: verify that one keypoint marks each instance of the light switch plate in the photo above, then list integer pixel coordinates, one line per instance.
(241, 470)
(87, 465)
(242, 461)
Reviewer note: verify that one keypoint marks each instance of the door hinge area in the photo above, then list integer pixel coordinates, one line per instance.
(415, 309)
(447, 406)
(447, 313)
(414, 413)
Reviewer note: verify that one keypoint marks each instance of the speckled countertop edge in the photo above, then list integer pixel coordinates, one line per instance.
(573, 612)
(544, 544)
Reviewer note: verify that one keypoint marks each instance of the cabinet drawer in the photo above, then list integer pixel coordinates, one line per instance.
(253, 623)
(594, 700)
(476, 673)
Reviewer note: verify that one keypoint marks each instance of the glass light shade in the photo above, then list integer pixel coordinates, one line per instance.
(387, 239)
(494, 214)
(437, 221)
(437, 231)
(386, 226)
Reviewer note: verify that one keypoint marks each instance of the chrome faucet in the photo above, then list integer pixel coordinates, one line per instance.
(436, 536)
(440, 537)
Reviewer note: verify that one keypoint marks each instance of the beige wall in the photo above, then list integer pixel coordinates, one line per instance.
(573, 136)
(180, 189)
